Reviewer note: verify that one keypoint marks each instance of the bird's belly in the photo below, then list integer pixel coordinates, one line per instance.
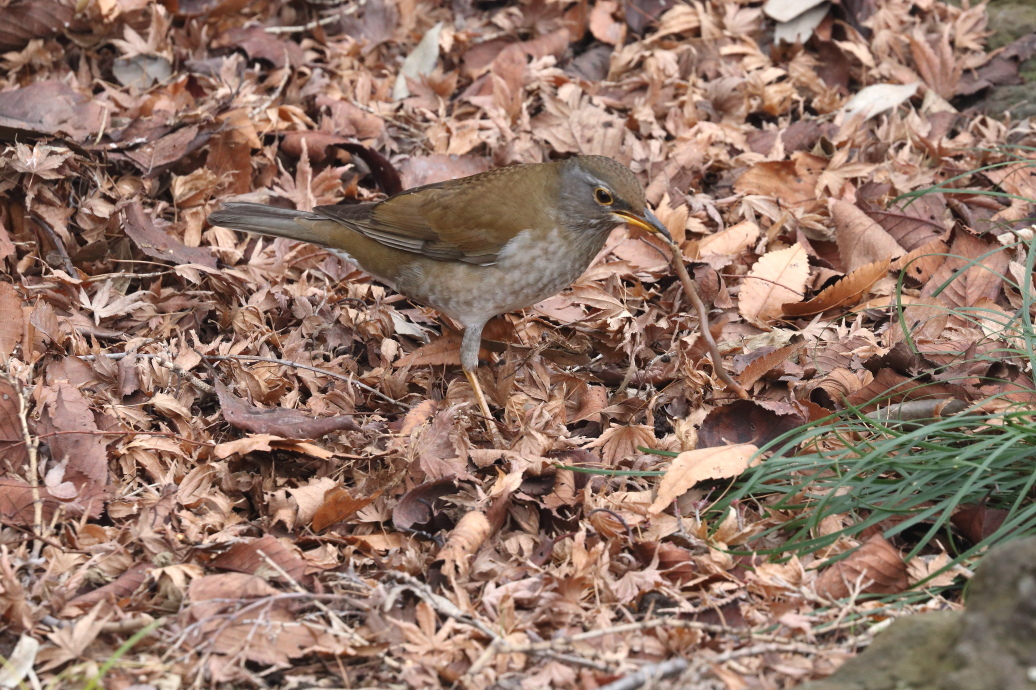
(526, 272)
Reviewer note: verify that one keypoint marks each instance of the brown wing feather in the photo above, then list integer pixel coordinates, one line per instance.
(470, 219)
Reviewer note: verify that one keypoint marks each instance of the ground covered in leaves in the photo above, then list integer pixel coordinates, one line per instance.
(237, 462)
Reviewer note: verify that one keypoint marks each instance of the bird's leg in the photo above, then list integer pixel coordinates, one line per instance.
(469, 348)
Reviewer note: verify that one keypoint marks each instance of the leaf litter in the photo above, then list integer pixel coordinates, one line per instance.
(271, 464)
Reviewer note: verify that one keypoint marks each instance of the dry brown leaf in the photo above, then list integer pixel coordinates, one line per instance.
(874, 568)
(16, 502)
(620, 442)
(890, 387)
(123, 586)
(763, 365)
(141, 228)
(936, 63)
(278, 421)
(339, 505)
(777, 278)
(693, 466)
(603, 25)
(730, 241)
(417, 508)
(747, 421)
(861, 241)
(470, 533)
(267, 442)
(845, 292)
(442, 350)
(914, 223)
(793, 182)
(922, 263)
(923, 318)
(13, 452)
(81, 476)
(975, 270)
(978, 522)
(250, 556)
(832, 390)
(220, 625)
(12, 325)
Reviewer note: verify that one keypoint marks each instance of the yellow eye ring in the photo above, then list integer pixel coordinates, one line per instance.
(603, 196)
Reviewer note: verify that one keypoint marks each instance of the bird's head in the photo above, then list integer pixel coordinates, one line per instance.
(598, 193)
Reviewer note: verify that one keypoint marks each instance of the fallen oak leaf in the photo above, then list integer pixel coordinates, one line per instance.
(763, 365)
(267, 442)
(278, 421)
(693, 466)
(846, 291)
(876, 567)
(339, 505)
(777, 278)
(470, 533)
(860, 239)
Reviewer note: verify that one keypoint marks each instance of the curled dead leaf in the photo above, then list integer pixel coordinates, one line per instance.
(876, 567)
(777, 278)
(339, 505)
(747, 421)
(845, 292)
(465, 539)
(693, 466)
(278, 421)
(417, 509)
(763, 365)
(861, 241)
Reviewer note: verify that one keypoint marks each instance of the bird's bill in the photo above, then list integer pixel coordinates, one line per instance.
(648, 222)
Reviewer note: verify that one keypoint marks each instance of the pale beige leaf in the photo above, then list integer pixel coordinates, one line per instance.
(777, 278)
(730, 241)
(860, 239)
(693, 466)
(846, 291)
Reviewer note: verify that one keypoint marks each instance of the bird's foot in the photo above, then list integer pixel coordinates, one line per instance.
(491, 425)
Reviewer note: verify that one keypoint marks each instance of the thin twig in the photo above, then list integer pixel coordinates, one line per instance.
(337, 624)
(649, 673)
(703, 320)
(31, 450)
(160, 361)
(306, 367)
(115, 356)
(768, 648)
(340, 12)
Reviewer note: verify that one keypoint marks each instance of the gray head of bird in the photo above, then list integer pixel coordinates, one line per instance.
(597, 194)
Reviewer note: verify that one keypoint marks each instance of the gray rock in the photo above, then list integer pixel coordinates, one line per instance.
(991, 645)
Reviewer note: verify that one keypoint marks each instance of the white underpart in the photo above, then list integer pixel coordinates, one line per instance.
(527, 270)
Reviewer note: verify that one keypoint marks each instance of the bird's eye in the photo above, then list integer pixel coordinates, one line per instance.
(603, 196)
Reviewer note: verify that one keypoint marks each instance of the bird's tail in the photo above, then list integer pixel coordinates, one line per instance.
(270, 220)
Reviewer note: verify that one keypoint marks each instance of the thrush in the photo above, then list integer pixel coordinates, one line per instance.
(477, 246)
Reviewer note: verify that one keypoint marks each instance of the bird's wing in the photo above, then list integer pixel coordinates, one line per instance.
(470, 219)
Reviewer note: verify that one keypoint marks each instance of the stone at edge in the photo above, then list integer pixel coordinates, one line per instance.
(991, 645)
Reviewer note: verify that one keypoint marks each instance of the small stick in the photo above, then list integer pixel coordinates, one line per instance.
(649, 673)
(703, 319)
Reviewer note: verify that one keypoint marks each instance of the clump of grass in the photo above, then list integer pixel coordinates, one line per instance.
(908, 478)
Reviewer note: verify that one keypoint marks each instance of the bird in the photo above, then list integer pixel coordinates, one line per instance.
(473, 247)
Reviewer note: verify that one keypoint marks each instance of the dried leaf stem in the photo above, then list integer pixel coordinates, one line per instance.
(649, 674)
(32, 450)
(201, 385)
(703, 319)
